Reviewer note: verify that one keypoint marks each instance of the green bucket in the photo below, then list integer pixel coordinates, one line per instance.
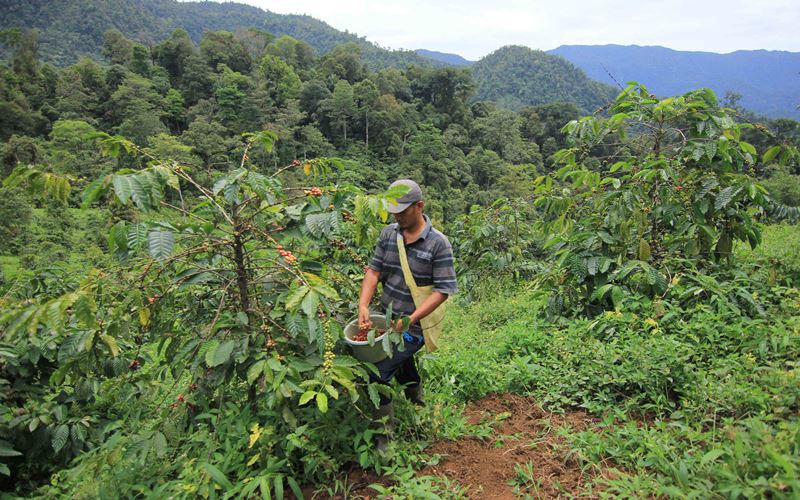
(361, 349)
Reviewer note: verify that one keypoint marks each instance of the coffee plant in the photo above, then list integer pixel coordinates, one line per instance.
(653, 188)
(234, 292)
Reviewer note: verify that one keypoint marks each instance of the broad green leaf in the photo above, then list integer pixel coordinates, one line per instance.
(7, 451)
(617, 296)
(160, 244)
(322, 402)
(307, 396)
(644, 250)
(374, 397)
(221, 354)
(160, 444)
(332, 391)
(217, 475)
(123, 187)
(310, 303)
(94, 192)
(210, 348)
(771, 153)
(111, 343)
(298, 493)
(255, 371)
(85, 310)
(278, 482)
(295, 297)
(144, 316)
(712, 455)
(60, 437)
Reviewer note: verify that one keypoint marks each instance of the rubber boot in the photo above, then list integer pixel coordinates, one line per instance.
(415, 394)
(383, 418)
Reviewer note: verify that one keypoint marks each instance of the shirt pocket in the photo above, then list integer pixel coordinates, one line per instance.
(421, 263)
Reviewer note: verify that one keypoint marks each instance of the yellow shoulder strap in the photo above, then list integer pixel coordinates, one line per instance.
(401, 249)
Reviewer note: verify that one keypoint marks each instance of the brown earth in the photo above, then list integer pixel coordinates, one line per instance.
(526, 437)
(523, 435)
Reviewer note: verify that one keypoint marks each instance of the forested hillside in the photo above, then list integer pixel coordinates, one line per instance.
(184, 228)
(516, 76)
(512, 77)
(767, 82)
(71, 29)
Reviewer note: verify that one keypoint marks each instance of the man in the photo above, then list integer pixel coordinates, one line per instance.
(430, 258)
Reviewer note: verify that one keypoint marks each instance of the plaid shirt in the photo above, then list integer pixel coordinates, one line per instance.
(430, 259)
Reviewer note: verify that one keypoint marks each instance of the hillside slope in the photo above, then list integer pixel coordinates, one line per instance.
(768, 81)
(516, 76)
(74, 28)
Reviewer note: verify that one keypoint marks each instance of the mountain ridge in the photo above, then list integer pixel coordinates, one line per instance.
(80, 25)
(767, 80)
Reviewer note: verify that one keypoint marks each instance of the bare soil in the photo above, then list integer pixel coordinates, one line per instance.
(523, 434)
(526, 436)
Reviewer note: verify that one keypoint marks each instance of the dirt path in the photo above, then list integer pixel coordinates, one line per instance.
(523, 436)
(526, 437)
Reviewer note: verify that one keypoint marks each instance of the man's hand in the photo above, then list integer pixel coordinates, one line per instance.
(400, 325)
(364, 323)
(367, 292)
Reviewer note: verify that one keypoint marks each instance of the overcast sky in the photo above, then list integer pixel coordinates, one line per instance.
(474, 28)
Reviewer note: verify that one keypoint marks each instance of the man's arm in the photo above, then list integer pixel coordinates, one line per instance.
(433, 301)
(368, 287)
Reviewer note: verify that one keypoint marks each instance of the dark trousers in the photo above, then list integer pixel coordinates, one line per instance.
(400, 365)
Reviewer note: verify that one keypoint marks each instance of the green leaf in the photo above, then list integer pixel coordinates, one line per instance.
(332, 391)
(160, 444)
(310, 303)
(712, 455)
(644, 250)
(7, 451)
(123, 187)
(255, 371)
(771, 153)
(294, 298)
(85, 310)
(93, 192)
(111, 343)
(374, 397)
(221, 354)
(136, 236)
(307, 396)
(298, 493)
(321, 224)
(278, 482)
(218, 476)
(160, 244)
(322, 402)
(617, 296)
(724, 197)
(607, 238)
(60, 437)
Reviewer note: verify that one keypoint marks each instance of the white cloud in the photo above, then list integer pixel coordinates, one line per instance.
(474, 28)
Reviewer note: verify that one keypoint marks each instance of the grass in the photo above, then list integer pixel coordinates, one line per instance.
(703, 402)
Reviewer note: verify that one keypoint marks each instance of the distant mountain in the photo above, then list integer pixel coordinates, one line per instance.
(450, 59)
(768, 81)
(516, 76)
(74, 28)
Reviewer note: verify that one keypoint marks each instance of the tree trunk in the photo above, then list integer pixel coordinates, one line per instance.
(241, 268)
